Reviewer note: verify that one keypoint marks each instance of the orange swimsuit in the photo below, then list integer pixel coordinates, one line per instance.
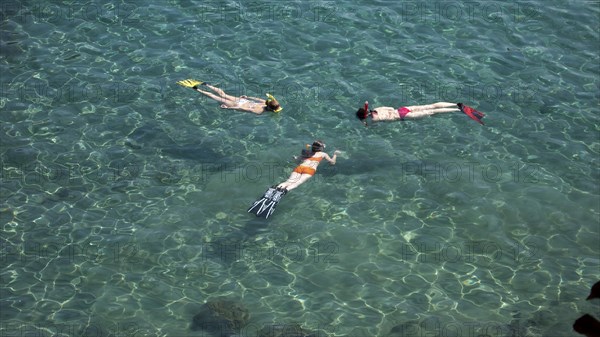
(302, 169)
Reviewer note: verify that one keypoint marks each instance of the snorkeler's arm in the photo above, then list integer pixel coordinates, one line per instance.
(224, 106)
(261, 100)
(333, 159)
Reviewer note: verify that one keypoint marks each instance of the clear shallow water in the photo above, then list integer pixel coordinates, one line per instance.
(124, 195)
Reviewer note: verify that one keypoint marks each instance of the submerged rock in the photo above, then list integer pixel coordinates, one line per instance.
(221, 317)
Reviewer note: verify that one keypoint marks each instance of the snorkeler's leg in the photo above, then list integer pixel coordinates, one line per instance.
(222, 93)
(217, 98)
(441, 110)
(291, 184)
(444, 105)
(433, 106)
(290, 181)
(425, 113)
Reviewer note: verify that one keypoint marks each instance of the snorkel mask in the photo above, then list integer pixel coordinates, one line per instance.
(317, 146)
(309, 150)
(270, 99)
(306, 152)
(366, 113)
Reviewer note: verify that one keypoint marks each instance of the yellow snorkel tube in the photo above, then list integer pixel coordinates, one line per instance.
(270, 98)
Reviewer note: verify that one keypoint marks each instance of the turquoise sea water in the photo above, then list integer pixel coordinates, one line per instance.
(124, 195)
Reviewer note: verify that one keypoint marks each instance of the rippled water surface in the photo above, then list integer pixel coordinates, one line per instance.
(124, 195)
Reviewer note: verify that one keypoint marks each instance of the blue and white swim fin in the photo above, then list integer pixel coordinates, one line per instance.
(265, 206)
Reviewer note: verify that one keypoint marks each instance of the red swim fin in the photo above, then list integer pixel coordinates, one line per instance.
(472, 113)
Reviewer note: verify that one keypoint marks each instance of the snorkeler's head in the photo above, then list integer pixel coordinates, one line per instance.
(272, 104)
(317, 146)
(362, 114)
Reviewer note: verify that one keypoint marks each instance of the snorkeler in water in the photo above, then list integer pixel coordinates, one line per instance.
(416, 111)
(265, 205)
(244, 103)
(308, 167)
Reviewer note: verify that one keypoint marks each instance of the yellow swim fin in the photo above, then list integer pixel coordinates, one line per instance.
(190, 83)
(270, 98)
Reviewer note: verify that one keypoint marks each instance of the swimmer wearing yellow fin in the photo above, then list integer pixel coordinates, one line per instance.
(244, 103)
